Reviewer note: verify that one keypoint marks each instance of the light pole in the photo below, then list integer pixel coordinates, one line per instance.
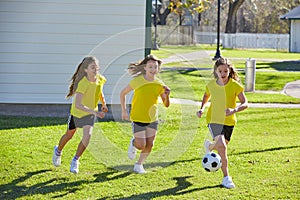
(218, 53)
(155, 45)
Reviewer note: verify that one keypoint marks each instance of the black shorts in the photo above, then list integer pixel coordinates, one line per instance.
(75, 122)
(139, 126)
(220, 129)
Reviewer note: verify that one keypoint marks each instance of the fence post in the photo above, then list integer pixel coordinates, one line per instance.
(250, 75)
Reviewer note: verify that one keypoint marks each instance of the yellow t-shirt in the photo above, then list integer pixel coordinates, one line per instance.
(91, 93)
(221, 98)
(145, 99)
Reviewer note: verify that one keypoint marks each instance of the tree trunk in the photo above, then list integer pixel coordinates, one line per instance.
(163, 16)
(231, 18)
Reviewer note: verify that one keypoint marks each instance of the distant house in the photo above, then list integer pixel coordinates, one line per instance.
(294, 17)
(42, 42)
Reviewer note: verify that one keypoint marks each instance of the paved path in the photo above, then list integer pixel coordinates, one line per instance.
(251, 105)
(292, 89)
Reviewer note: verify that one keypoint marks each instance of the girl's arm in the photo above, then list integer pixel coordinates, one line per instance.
(123, 93)
(243, 105)
(103, 102)
(205, 99)
(165, 97)
(243, 102)
(82, 107)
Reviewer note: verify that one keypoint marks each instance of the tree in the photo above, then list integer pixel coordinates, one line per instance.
(179, 7)
(234, 5)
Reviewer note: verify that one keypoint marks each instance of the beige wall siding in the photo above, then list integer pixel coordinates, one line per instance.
(295, 36)
(42, 42)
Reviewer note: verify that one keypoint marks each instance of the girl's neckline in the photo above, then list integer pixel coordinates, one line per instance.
(144, 76)
(91, 81)
(222, 84)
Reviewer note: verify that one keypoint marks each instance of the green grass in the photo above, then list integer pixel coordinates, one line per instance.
(264, 154)
(190, 84)
(271, 75)
(263, 157)
(166, 51)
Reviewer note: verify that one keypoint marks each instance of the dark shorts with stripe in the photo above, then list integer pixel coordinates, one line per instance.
(220, 129)
(75, 122)
(139, 126)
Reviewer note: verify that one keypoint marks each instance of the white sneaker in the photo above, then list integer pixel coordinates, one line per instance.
(74, 166)
(227, 182)
(138, 168)
(56, 160)
(206, 145)
(131, 150)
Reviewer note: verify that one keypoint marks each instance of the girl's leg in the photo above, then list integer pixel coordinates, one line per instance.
(87, 132)
(140, 140)
(221, 146)
(148, 143)
(56, 158)
(65, 139)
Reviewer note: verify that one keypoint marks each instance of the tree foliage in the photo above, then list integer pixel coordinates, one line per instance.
(250, 16)
(190, 6)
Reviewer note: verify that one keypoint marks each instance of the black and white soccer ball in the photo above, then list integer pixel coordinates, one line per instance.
(211, 162)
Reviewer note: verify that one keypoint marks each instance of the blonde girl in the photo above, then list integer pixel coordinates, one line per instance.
(147, 88)
(86, 87)
(222, 92)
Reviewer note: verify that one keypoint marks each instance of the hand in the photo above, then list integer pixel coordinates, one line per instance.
(230, 111)
(104, 109)
(100, 114)
(199, 113)
(167, 90)
(125, 115)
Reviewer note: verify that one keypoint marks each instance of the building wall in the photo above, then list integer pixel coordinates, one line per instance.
(42, 42)
(295, 36)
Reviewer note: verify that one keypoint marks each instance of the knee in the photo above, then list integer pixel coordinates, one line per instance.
(221, 146)
(70, 133)
(149, 145)
(140, 145)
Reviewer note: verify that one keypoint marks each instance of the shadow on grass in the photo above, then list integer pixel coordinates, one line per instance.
(265, 150)
(153, 165)
(16, 188)
(281, 66)
(11, 122)
(181, 184)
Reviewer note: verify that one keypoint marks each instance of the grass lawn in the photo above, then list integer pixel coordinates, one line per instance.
(190, 84)
(264, 154)
(273, 70)
(264, 159)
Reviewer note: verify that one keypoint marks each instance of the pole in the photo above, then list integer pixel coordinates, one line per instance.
(218, 53)
(155, 47)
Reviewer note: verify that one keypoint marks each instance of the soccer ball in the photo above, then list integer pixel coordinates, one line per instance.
(211, 162)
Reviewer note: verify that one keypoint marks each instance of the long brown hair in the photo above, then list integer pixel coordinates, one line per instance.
(136, 69)
(80, 73)
(232, 72)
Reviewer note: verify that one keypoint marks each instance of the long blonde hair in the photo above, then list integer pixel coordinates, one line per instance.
(136, 69)
(232, 72)
(80, 73)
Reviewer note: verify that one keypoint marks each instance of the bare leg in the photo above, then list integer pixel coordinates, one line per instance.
(149, 142)
(140, 140)
(87, 132)
(65, 139)
(221, 147)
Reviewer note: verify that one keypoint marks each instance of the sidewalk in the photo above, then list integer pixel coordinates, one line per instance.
(292, 89)
(251, 105)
